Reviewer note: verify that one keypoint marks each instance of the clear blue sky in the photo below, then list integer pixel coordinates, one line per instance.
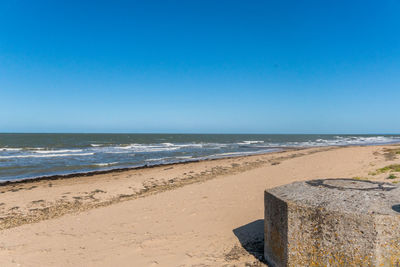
(200, 66)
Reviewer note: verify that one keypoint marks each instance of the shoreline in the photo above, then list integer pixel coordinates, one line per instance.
(138, 167)
(53, 177)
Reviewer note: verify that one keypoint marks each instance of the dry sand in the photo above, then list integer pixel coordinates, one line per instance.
(207, 213)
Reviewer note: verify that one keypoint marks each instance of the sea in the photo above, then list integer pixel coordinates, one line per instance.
(25, 156)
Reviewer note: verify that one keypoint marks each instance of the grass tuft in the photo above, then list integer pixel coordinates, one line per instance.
(389, 168)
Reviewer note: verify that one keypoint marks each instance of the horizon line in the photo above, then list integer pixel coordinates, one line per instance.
(199, 133)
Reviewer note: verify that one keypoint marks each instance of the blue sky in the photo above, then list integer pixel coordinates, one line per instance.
(200, 66)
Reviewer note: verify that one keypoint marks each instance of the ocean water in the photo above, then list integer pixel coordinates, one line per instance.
(34, 155)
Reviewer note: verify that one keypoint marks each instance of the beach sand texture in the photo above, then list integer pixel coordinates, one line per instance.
(207, 213)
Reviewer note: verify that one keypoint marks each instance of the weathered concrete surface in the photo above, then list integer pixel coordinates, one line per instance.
(333, 222)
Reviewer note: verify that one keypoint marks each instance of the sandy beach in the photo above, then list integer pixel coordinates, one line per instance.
(207, 213)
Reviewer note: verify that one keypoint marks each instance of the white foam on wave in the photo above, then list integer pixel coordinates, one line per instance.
(168, 144)
(250, 142)
(10, 149)
(105, 164)
(336, 141)
(118, 152)
(192, 145)
(350, 140)
(162, 147)
(148, 148)
(45, 156)
(58, 151)
(96, 145)
(157, 159)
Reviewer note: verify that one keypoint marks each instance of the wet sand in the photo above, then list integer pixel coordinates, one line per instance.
(207, 213)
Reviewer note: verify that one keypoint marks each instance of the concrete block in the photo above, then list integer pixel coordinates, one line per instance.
(332, 222)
